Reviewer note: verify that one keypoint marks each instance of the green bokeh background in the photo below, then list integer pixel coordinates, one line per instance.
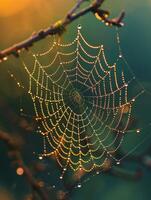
(136, 45)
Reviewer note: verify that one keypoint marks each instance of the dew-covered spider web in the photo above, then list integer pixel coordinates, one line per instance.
(83, 105)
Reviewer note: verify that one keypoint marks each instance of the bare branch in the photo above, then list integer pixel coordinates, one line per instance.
(56, 28)
(75, 8)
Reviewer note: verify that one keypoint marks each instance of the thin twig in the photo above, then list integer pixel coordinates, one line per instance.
(75, 8)
(56, 28)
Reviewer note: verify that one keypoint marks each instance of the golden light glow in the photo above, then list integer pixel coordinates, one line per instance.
(41, 184)
(78, 174)
(107, 165)
(11, 7)
(126, 108)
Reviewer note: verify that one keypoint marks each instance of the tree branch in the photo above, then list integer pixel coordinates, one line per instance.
(74, 9)
(14, 151)
(57, 28)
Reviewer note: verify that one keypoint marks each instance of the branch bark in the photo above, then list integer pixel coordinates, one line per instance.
(77, 6)
(56, 28)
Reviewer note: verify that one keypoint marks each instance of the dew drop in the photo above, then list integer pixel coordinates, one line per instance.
(121, 24)
(5, 58)
(107, 23)
(138, 131)
(79, 185)
(40, 157)
(79, 27)
(118, 162)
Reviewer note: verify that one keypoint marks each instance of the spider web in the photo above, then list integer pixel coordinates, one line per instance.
(82, 104)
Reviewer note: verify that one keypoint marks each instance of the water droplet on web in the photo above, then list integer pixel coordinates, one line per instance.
(79, 27)
(40, 157)
(118, 163)
(79, 185)
(138, 130)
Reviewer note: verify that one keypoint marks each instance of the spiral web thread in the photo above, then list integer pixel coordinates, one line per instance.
(82, 104)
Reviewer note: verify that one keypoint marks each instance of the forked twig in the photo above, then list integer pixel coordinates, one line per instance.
(59, 27)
